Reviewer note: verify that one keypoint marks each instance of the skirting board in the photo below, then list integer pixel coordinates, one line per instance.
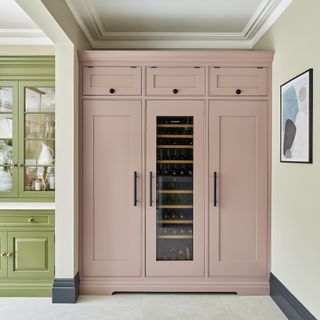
(287, 302)
(66, 290)
(105, 286)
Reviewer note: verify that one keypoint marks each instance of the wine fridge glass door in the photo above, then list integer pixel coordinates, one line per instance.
(174, 188)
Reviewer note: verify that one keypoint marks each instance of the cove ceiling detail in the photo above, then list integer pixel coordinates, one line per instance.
(176, 23)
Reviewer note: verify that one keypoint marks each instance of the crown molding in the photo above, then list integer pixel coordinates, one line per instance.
(262, 19)
(14, 37)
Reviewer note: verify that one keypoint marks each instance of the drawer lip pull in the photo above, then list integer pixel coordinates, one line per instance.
(3, 254)
(9, 254)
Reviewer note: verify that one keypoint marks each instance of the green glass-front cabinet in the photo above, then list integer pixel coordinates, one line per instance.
(27, 175)
(27, 140)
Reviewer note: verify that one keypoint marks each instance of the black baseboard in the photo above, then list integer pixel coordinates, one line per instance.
(287, 302)
(66, 290)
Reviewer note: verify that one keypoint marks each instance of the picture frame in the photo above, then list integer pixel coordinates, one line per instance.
(296, 112)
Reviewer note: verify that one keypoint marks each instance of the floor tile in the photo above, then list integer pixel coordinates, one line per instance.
(144, 307)
(252, 307)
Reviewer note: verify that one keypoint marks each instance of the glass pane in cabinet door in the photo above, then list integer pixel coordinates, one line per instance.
(175, 188)
(39, 178)
(39, 152)
(6, 165)
(6, 126)
(40, 99)
(39, 126)
(6, 99)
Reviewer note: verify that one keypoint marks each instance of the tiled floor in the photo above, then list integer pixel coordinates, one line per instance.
(144, 307)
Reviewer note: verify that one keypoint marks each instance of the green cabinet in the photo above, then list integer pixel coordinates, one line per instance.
(26, 253)
(3, 255)
(31, 255)
(27, 131)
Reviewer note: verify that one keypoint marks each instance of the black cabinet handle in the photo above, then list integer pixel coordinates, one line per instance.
(135, 201)
(150, 189)
(238, 91)
(175, 91)
(112, 91)
(215, 189)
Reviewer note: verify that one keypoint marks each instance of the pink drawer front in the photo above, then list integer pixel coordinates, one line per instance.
(238, 81)
(175, 81)
(112, 81)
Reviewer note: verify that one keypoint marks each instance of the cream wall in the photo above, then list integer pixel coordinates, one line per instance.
(55, 19)
(296, 187)
(26, 50)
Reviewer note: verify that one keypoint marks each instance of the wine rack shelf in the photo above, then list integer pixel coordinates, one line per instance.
(176, 206)
(176, 191)
(175, 221)
(175, 125)
(174, 136)
(175, 161)
(175, 237)
(174, 146)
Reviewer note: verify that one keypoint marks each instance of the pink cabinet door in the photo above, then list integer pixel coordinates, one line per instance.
(238, 81)
(238, 220)
(112, 219)
(111, 81)
(176, 81)
(175, 188)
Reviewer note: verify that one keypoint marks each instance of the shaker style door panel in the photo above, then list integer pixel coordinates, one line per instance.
(112, 178)
(30, 255)
(176, 81)
(238, 82)
(111, 81)
(175, 188)
(3, 255)
(238, 188)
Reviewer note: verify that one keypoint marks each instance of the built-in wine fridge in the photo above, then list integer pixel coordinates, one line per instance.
(174, 188)
(175, 214)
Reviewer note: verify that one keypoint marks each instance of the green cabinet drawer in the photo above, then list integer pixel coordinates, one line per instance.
(26, 219)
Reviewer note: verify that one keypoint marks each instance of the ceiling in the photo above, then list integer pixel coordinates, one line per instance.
(175, 23)
(17, 28)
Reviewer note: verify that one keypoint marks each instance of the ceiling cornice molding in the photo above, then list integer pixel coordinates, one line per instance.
(262, 19)
(23, 37)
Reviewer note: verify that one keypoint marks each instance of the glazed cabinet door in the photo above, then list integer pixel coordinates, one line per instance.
(175, 188)
(238, 216)
(3, 254)
(30, 255)
(37, 139)
(112, 210)
(9, 147)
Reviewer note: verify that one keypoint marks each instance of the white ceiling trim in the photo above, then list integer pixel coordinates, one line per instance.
(263, 18)
(23, 37)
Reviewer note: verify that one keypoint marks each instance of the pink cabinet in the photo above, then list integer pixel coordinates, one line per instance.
(175, 174)
(112, 177)
(238, 171)
(111, 81)
(176, 81)
(175, 171)
(240, 81)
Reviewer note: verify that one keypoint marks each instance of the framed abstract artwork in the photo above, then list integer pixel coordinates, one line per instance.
(296, 97)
